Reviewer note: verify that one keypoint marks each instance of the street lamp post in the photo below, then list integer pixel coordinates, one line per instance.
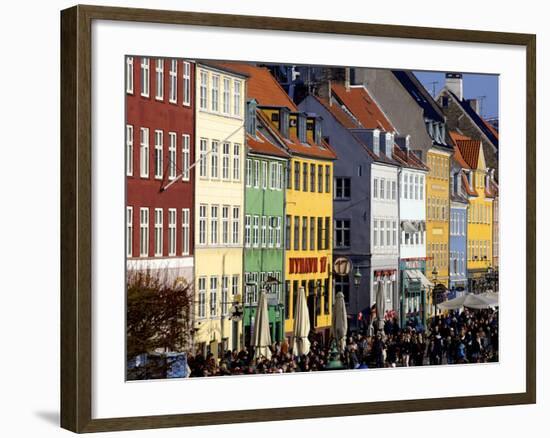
(434, 276)
(357, 282)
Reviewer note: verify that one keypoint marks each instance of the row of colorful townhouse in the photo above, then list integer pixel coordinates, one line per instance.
(416, 194)
(233, 188)
(240, 200)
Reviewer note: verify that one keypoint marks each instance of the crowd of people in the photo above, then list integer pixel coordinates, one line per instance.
(458, 337)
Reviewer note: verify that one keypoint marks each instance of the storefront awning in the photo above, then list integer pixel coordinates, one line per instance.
(420, 276)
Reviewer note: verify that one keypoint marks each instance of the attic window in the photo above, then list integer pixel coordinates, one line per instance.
(251, 117)
(376, 142)
(318, 132)
(445, 101)
(283, 123)
(302, 126)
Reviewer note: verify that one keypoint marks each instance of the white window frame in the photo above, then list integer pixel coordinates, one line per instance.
(278, 238)
(236, 162)
(144, 153)
(214, 222)
(144, 232)
(226, 98)
(202, 297)
(247, 231)
(265, 175)
(203, 221)
(225, 225)
(129, 231)
(203, 164)
(203, 90)
(263, 234)
(215, 159)
(273, 176)
(237, 91)
(382, 188)
(159, 76)
(129, 150)
(271, 233)
(172, 237)
(248, 172)
(159, 143)
(159, 232)
(186, 156)
(186, 83)
(256, 182)
(375, 188)
(145, 77)
(185, 236)
(215, 93)
(130, 74)
(376, 236)
(173, 96)
(226, 159)
(172, 154)
(255, 231)
(236, 226)
(225, 294)
(213, 296)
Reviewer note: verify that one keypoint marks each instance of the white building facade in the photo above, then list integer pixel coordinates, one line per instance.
(384, 225)
(219, 205)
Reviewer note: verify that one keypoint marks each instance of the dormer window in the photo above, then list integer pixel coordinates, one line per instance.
(284, 122)
(251, 117)
(302, 128)
(376, 142)
(389, 144)
(318, 137)
(455, 183)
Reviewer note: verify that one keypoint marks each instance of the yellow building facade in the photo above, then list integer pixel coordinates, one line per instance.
(480, 224)
(219, 206)
(437, 219)
(308, 256)
(308, 217)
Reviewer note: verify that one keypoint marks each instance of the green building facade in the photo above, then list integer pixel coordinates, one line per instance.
(265, 172)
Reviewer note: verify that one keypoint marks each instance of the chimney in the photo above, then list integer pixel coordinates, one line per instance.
(453, 82)
(474, 104)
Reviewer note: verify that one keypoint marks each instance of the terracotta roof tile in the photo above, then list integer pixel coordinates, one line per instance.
(339, 114)
(468, 149)
(262, 86)
(408, 160)
(360, 103)
(262, 145)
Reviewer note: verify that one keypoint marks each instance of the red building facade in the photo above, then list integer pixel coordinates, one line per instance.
(160, 109)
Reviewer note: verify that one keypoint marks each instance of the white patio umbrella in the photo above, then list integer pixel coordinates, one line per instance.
(474, 301)
(262, 336)
(380, 305)
(301, 343)
(339, 321)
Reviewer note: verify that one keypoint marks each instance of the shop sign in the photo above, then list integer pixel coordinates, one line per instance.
(307, 265)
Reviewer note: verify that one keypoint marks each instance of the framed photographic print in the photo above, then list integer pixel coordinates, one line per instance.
(311, 218)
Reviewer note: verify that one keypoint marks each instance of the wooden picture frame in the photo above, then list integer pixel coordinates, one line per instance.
(76, 217)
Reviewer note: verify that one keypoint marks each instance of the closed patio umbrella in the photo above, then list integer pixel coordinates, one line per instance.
(339, 321)
(380, 305)
(262, 336)
(301, 343)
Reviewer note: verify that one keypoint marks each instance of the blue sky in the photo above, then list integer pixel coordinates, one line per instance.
(474, 86)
